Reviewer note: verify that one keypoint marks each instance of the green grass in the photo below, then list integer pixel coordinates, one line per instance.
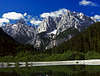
(68, 55)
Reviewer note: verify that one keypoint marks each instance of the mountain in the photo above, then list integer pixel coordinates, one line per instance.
(64, 19)
(55, 28)
(8, 46)
(20, 31)
(60, 26)
(89, 40)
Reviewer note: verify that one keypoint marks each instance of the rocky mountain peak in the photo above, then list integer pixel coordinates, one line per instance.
(56, 26)
(20, 31)
(64, 19)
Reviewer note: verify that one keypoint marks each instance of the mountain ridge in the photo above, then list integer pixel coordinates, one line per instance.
(52, 25)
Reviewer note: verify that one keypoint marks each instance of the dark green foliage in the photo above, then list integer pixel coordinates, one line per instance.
(66, 33)
(83, 42)
(28, 56)
(85, 45)
(8, 46)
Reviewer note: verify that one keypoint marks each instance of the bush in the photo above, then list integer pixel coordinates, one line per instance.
(92, 55)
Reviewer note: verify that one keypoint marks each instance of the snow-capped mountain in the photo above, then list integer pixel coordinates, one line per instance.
(55, 28)
(55, 23)
(20, 31)
(64, 19)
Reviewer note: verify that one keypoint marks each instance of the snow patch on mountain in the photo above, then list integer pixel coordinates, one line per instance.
(35, 22)
(53, 32)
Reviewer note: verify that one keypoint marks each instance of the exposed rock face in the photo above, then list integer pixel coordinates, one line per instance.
(54, 29)
(65, 21)
(47, 25)
(20, 31)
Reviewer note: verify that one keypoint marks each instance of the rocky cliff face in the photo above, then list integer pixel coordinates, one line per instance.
(63, 23)
(54, 29)
(64, 19)
(20, 31)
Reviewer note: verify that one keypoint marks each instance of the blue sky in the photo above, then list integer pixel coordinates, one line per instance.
(15, 9)
(37, 7)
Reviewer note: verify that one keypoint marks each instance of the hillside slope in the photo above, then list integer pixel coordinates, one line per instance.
(8, 46)
(88, 40)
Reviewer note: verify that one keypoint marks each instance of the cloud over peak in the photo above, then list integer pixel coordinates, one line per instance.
(2, 20)
(97, 17)
(13, 15)
(87, 3)
(55, 13)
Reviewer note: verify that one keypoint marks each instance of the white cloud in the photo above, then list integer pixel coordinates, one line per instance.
(85, 3)
(97, 16)
(13, 15)
(55, 14)
(45, 15)
(35, 22)
(3, 20)
(25, 14)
